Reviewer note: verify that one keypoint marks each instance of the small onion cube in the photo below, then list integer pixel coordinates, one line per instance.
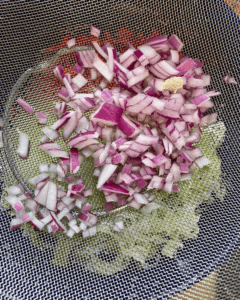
(78, 69)
(135, 204)
(141, 199)
(18, 206)
(63, 94)
(76, 228)
(31, 205)
(95, 31)
(107, 113)
(202, 161)
(79, 81)
(83, 226)
(14, 190)
(70, 233)
(71, 43)
(15, 223)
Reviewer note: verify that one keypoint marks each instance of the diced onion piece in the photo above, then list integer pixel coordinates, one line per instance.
(79, 81)
(103, 69)
(23, 146)
(71, 43)
(26, 106)
(229, 79)
(202, 161)
(95, 31)
(107, 171)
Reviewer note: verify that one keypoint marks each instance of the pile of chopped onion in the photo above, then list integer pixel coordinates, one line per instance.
(141, 134)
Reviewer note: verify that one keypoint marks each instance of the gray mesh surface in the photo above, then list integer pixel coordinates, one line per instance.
(29, 30)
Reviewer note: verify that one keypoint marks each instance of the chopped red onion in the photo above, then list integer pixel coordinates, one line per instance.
(58, 222)
(95, 31)
(70, 91)
(149, 133)
(50, 133)
(53, 150)
(202, 161)
(186, 66)
(106, 173)
(107, 113)
(14, 190)
(229, 79)
(175, 42)
(26, 106)
(59, 73)
(70, 233)
(27, 217)
(18, 206)
(200, 100)
(106, 134)
(111, 55)
(31, 205)
(42, 116)
(71, 43)
(78, 69)
(103, 69)
(63, 94)
(15, 223)
(23, 146)
(79, 81)
(152, 56)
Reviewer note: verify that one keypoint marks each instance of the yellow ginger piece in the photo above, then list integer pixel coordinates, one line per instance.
(172, 84)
